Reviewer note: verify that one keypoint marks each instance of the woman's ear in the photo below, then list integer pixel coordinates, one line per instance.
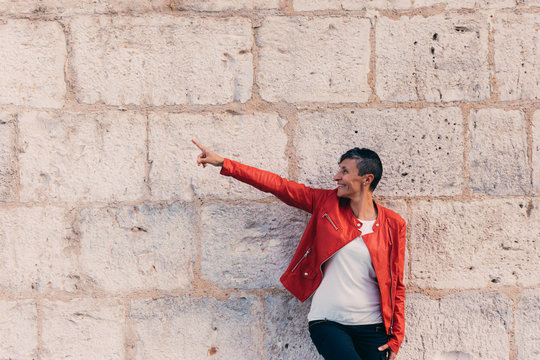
(368, 179)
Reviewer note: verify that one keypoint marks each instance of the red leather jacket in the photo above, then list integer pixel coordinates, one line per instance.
(330, 228)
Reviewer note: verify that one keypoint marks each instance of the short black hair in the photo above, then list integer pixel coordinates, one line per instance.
(367, 162)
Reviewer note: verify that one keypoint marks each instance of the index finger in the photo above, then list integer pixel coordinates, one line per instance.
(197, 144)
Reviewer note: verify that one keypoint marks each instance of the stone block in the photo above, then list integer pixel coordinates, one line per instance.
(536, 152)
(436, 59)
(82, 157)
(517, 56)
(32, 63)
(18, 330)
(466, 4)
(286, 329)
(138, 248)
(36, 251)
(258, 140)
(248, 246)
(314, 59)
(83, 329)
(421, 150)
(224, 5)
(498, 163)
(527, 325)
(462, 326)
(7, 158)
(309, 5)
(161, 60)
(195, 328)
(463, 245)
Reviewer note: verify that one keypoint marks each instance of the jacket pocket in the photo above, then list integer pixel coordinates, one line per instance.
(303, 268)
(301, 259)
(326, 216)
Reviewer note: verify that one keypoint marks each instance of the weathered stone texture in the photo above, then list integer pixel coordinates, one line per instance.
(437, 59)
(463, 326)
(36, 250)
(7, 158)
(137, 248)
(314, 59)
(517, 56)
(474, 244)
(286, 329)
(399, 206)
(421, 150)
(161, 60)
(18, 330)
(248, 246)
(528, 326)
(32, 63)
(258, 140)
(83, 329)
(498, 163)
(195, 328)
(115, 245)
(82, 157)
(81, 7)
(72, 7)
(309, 5)
(467, 4)
(536, 152)
(224, 5)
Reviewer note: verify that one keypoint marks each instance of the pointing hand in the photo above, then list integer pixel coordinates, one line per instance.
(207, 156)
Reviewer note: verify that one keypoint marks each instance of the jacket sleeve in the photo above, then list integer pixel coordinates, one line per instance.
(398, 331)
(290, 192)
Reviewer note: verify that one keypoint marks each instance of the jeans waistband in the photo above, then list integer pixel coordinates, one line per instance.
(375, 327)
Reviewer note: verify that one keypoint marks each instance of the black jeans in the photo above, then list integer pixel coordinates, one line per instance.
(335, 341)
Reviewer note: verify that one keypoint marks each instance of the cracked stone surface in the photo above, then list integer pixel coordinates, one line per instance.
(517, 54)
(320, 59)
(32, 63)
(437, 59)
(496, 247)
(161, 60)
(141, 247)
(429, 140)
(498, 165)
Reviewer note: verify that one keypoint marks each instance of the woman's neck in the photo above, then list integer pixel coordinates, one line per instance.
(363, 207)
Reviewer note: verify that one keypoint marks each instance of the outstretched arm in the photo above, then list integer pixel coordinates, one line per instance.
(290, 192)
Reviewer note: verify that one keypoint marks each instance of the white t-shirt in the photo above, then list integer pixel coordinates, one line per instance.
(349, 293)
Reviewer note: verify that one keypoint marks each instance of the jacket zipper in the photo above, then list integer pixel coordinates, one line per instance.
(325, 215)
(391, 284)
(299, 261)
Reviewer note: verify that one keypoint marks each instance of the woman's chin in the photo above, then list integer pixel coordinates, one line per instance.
(341, 193)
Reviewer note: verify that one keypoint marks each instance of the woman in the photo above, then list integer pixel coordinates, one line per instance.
(350, 257)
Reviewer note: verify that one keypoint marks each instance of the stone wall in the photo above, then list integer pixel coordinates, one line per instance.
(114, 245)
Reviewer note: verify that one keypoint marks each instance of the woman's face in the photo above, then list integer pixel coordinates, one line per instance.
(349, 183)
